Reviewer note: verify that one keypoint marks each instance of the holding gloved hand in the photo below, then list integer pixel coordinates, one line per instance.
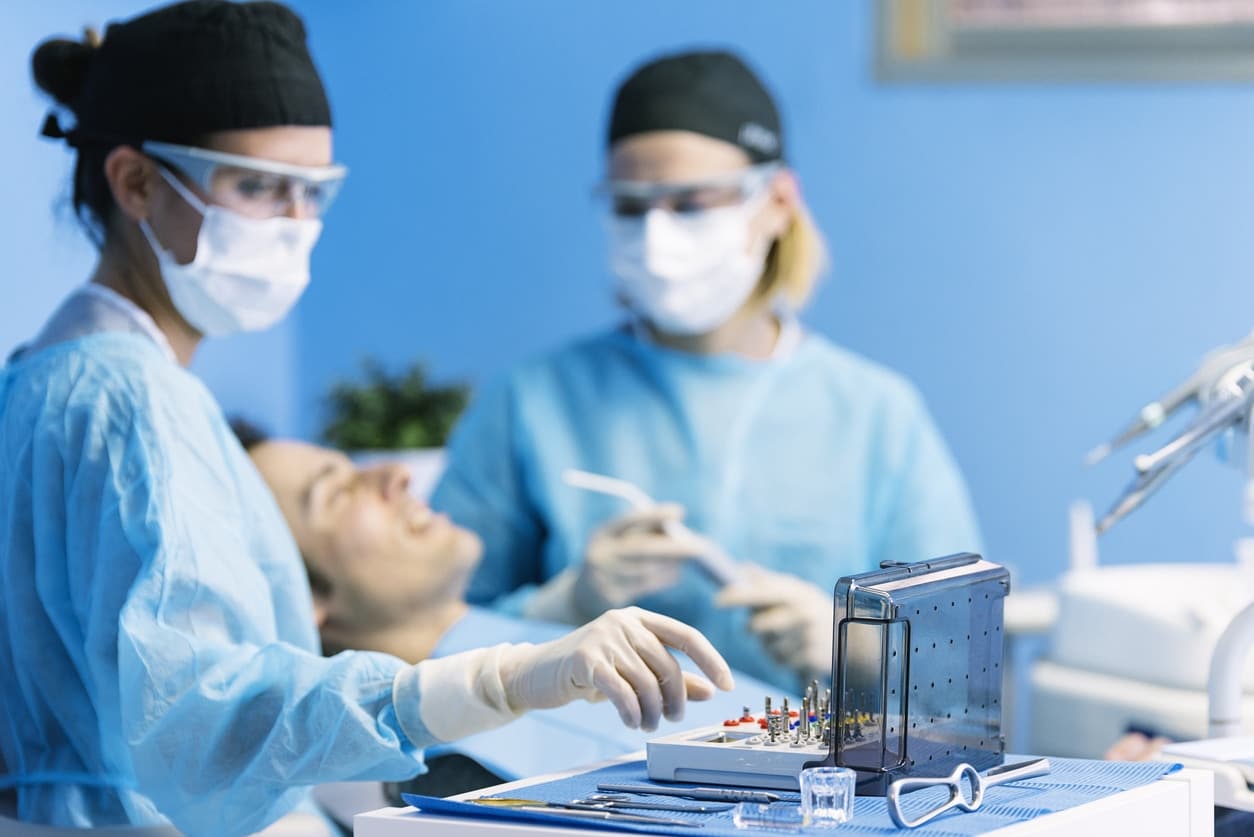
(631, 556)
(792, 617)
(620, 656)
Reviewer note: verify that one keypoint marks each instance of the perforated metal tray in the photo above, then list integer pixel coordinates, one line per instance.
(918, 669)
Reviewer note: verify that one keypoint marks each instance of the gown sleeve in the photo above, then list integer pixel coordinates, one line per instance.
(226, 710)
(483, 489)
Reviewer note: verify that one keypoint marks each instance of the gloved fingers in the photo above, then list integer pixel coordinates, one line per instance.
(645, 685)
(609, 682)
(788, 649)
(756, 587)
(636, 581)
(614, 591)
(696, 687)
(690, 641)
(657, 546)
(651, 519)
(666, 671)
(777, 619)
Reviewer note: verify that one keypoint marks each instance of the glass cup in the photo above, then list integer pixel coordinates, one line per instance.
(766, 816)
(827, 795)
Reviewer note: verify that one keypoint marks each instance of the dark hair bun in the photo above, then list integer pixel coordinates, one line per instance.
(60, 66)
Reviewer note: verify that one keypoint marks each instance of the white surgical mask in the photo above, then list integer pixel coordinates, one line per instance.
(688, 273)
(247, 272)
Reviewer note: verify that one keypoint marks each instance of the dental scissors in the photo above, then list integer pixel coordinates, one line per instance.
(720, 566)
(957, 788)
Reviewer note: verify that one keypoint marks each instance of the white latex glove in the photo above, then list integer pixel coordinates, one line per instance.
(626, 559)
(620, 656)
(792, 617)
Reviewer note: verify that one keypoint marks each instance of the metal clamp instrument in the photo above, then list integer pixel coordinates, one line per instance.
(957, 791)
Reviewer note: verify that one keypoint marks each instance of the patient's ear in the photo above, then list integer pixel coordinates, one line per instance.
(321, 609)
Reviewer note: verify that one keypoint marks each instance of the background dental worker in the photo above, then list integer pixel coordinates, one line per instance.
(158, 656)
(786, 450)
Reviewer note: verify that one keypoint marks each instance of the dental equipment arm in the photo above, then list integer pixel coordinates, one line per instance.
(1144, 485)
(1195, 388)
(1224, 386)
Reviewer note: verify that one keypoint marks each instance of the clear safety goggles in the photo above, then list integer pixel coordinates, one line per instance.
(252, 186)
(634, 198)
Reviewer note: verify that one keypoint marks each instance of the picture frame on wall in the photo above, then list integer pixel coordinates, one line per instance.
(1065, 41)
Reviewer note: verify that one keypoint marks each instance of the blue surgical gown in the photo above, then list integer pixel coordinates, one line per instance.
(158, 657)
(818, 463)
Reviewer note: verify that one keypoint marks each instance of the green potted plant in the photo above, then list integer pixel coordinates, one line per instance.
(400, 417)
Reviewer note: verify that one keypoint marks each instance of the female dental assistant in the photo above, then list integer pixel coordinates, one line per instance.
(789, 452)
(158, 655)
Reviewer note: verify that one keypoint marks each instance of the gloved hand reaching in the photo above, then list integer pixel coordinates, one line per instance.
(629, 557)
(791, 616)
(621, 656)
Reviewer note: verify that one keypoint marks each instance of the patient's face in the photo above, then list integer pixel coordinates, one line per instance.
(379, 552)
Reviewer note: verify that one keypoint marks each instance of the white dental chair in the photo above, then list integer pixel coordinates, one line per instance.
(1132, 645)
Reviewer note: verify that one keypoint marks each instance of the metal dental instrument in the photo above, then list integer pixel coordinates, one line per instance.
(574, 809)
(716, 563)
(957, 797)
(706, 794)
(1223, 386)
(622, 800)
(1193, 389)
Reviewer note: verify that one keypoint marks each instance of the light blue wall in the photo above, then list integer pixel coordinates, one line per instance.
(1041, 260)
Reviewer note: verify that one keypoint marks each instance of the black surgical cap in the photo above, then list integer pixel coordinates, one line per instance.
(185, 70)
(711, 93)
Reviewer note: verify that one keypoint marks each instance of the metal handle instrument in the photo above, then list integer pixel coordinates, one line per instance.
(708, 794)
(576, 809)
(622, 800)
(956, 783)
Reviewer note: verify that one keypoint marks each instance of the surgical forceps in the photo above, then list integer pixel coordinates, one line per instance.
(716, 563)
(957, 796)
(1223, 385)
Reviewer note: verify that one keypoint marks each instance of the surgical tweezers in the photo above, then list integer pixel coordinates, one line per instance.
(957, 796)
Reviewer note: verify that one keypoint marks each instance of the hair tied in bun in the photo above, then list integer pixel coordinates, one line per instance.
(60, 66)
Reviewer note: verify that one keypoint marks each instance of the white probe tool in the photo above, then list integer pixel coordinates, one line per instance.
(716, 563)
